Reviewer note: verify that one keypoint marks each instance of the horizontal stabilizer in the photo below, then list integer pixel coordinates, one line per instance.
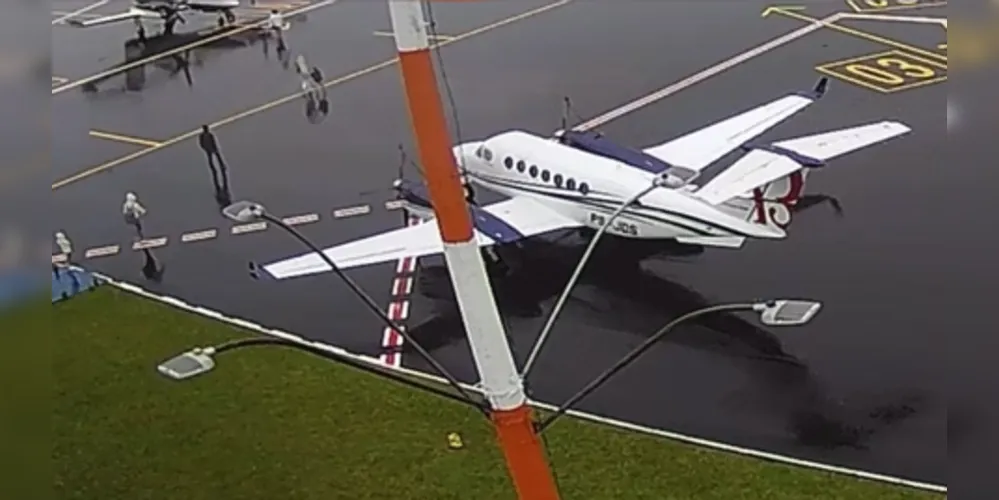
(767, 164)
(839, 142)
(713, 241)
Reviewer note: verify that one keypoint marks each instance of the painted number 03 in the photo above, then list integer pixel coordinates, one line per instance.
(904, 71)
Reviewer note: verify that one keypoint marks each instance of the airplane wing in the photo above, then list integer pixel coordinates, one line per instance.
(768, 163)
(502, 222)
(132, 13)
(701, 148)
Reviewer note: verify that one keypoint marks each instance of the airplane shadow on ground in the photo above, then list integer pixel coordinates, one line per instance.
(629, 299)
(139, 78)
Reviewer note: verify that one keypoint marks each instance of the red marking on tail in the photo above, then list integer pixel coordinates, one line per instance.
(774, 208)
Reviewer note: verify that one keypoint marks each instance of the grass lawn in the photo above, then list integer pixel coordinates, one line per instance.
(278, 424)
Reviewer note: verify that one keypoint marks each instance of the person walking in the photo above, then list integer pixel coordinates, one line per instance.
(66, 249)
(210, 145)
(133, 211)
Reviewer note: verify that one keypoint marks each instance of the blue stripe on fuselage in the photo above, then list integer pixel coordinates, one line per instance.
(494, 227)
(485, 222)
(596, 144)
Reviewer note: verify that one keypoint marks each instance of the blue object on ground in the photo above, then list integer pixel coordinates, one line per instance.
(71, 282)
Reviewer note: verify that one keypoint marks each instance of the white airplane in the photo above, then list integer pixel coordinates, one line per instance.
(166, 11)
(578, 179)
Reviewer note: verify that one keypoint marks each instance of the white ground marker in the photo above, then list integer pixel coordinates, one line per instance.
(149, 243)
(252, 227)
(298, 220)
(352, 211)
(93, 253)
(203, 235)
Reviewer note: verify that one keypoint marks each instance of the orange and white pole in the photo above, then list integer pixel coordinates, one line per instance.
(502, 385)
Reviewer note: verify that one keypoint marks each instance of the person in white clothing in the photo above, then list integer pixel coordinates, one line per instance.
(275, 23)
(65, 248)
(133, 211)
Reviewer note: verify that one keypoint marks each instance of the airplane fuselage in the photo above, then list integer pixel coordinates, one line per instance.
(589, 188)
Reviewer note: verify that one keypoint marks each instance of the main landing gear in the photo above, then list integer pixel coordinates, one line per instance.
(226, 18)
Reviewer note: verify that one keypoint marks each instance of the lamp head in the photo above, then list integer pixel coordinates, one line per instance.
(787, 312)
(189, 364)
(244, 211)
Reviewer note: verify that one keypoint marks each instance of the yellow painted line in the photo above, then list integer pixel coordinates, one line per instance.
(870, 37)
(225, 33)
(294, 97)
(125, 138)
(434, 38)
(854, 4)
(833, 69)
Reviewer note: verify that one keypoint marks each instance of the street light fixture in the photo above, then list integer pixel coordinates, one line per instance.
(201, 360)
(785, 312)
(249, 211)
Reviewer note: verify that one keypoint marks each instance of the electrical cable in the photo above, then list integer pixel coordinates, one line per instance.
(346, 360)
(564, 296)
(428, 11)
(370, 303)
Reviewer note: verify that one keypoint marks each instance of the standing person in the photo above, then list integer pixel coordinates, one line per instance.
(275, 23)
(65, 248)
(133, 211)
(209, 144)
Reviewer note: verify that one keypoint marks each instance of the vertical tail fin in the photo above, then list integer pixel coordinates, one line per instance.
(772, 204)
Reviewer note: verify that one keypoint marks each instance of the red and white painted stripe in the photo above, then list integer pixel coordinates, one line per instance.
(398, 309)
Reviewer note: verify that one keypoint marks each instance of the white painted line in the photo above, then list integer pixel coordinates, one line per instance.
(149, 243)
(252, 227)
(61, 19)
(352, 211)
(339, 351)
(207, 234)
(59, 258)
(104, 251)
(703, 75)
(393, 204)
(298, 220)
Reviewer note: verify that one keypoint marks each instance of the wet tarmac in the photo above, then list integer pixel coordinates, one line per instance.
(863, 386)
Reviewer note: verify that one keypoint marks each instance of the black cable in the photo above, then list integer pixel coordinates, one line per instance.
(432, 28)
(370, 303)
(346, 360)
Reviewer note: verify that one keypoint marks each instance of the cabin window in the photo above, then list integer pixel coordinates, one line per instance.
(478, 152)
(546, 175)
(558, 180)
(521, 166)
(570, 184)
(487, 154)
(508, 162)
(584, 188)
(534, 170)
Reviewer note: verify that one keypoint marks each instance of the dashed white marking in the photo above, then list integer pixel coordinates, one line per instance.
(149, 243)
(207, 234)
(101, 251)
(252, 227)
(298, 220)
(59, 258)
(352, 211)
(402, 286)
(393, 204)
